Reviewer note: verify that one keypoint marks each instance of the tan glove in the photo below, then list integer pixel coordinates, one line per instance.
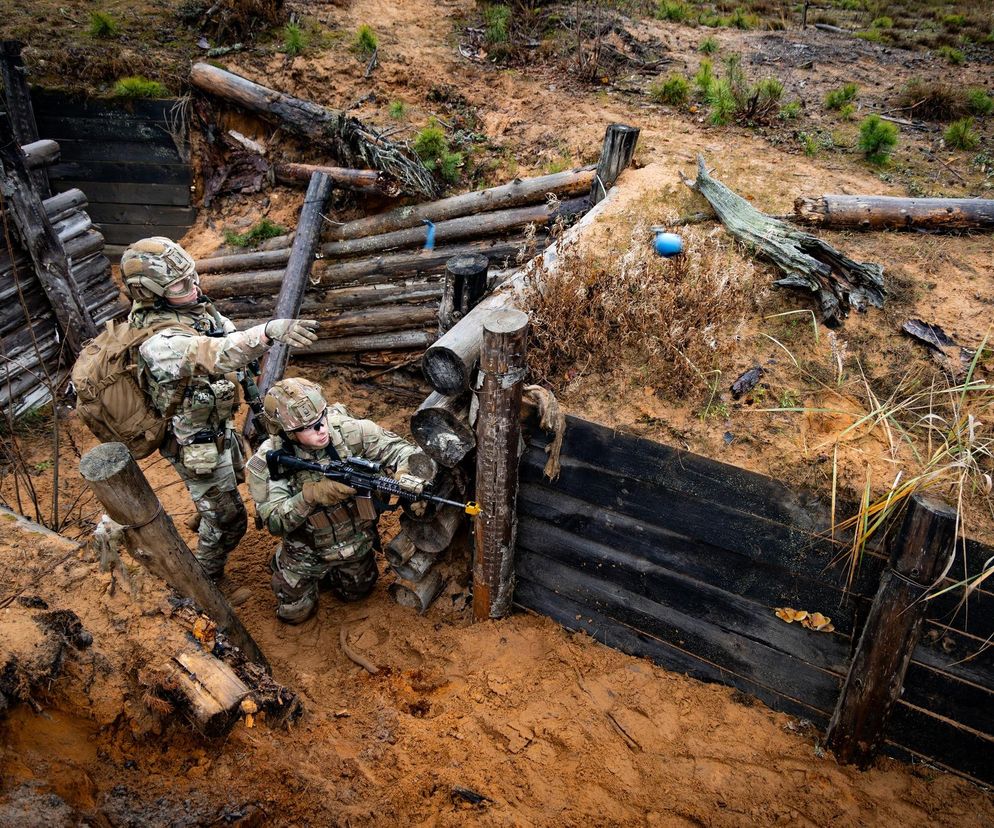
(326, 492)
(297, 333)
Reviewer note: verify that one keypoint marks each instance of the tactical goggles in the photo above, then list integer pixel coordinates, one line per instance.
(317, 425)
(182, 286)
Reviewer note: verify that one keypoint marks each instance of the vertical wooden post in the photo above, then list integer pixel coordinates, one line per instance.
(465, 285)
(498, 432)
(298, 270)
(616, 155)
(804, 15)
(120, 486)
(918, 555)
(42, 243)
(19, 108)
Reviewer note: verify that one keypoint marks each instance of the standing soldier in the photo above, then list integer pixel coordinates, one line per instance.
(189, 369)
(326, 538)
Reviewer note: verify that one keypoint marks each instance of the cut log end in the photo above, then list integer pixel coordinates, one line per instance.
(507, 321)
(104, 461)
(445, 371)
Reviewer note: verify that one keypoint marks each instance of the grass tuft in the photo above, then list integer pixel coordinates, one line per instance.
(979, 102)
(708, 46)
(877, 139)
(961, 135)
(838, 98)
(262, 230)
(365, 40)
(497, 23)
(103, 25)
(951, 54)
(294, 40)
(137, 86)
(674, 90)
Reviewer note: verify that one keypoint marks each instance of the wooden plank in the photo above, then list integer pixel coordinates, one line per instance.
(107, 171)
(612, 633)
(977, 619)
(111, 127)
(129, 233)
(127, 152)
(47, 101)
(963, 702)
(714, 523)
(103, 213)
(171, 195)
(755, 578)
(955, 746)
(750, 659)
(688, 595)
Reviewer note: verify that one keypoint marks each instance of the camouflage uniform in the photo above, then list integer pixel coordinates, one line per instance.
(202, 444)
(329, 544)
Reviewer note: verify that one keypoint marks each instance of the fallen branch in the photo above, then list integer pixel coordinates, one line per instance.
(352, 655)
(872, 212)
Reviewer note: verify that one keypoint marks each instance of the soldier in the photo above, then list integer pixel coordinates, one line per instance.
(325, 539)
(189, 369)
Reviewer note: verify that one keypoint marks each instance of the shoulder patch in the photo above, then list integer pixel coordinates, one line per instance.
(257, 463)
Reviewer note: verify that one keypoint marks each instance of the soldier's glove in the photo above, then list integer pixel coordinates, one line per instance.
(297, 333)
(326, 492)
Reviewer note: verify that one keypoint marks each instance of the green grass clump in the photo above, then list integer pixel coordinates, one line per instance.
(674, 90)
(838, 98)
(954, 20)
(791, 111)
(262, 230)
(704, 77)
(398, 110)
(961, 135)
(432, 147)
(871, 35)
(847, 112)
(953, 55)
(980, 102)
(882, 23)
(138, 87)
(708, 46)
(877, 139)
(294, 40)
(721, 101)
(741, 19)
(103, 25)
(671, 10)
(365, 40)
(808, 144)
(497, 21)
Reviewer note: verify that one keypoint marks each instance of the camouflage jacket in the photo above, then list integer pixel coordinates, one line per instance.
(176, 360)
(280, 503)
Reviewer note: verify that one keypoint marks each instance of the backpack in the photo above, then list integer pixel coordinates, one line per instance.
(110, 398)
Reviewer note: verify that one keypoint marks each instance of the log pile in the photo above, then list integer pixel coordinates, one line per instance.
(33, 331)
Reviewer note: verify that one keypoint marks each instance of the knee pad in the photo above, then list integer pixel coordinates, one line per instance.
(355, 580)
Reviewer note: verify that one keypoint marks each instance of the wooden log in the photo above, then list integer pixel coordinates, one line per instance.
(400, 550)
(298, 271)
(616, 155)
(465, 285)
(349, 139)
(260, 260)
(435, 534)
(19, 110)
(418, 596)
(340, 299)
(467, 227)
(48, 255)
(212, 691)
(39, 154)
(363, 181)
(412, 340)
(515, 194)
(448, 364)
(416, 567)
(918, 557)
(498, 430)
(873, 212)
(805, 261)
(119, 484)
(441, 427)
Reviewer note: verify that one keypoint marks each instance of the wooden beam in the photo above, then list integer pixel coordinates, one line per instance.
(922, 549)
(211, 690)
(19, 109)
(465, 286)
(873, 212)
(616, 155)
(39, 154)
(401, 340)
(498, 430)
(119, 484)
(363, 181)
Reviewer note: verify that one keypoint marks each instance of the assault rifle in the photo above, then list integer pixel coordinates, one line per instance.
(246, 378)
(365, 476)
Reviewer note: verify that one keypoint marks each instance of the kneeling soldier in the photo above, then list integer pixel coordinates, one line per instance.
(326, 539)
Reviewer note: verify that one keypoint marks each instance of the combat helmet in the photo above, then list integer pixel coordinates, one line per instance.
(157, 267)
(294, 403)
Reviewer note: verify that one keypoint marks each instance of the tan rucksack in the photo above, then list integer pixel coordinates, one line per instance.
(110, 397)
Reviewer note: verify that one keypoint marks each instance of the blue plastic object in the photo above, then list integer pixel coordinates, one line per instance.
(667, 244)
(429, 235)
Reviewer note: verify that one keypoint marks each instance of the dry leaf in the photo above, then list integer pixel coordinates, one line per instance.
(249, 707)
(249, 720)
(205, 631)
(815, 621)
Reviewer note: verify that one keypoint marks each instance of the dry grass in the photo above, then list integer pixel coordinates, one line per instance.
(664, 321)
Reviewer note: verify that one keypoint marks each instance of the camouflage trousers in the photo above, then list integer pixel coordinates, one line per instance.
(223, 519)
(347, 568)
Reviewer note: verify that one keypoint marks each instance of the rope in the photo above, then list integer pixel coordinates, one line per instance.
(154, 515)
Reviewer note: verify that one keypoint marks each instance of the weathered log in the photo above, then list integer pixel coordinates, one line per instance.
(467, 227)
(418, 596)
(47, 253)
(498, 432)
(893, 628)
(433, 536)
(448, 364)
(40, 154)
(250, 283)
(298, 270)
(348, 139)
(372, 320)
(416, 567)
(441, 427)
(211, 690)
(465, 286)
(121, 487)
(362, 181)
(412, 340)
(616, 155)
(19, 110)
(805, 261)
(873, 212)
(400, 550)
(515, 194)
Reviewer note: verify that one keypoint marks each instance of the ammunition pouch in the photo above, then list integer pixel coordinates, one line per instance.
(202, 455)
